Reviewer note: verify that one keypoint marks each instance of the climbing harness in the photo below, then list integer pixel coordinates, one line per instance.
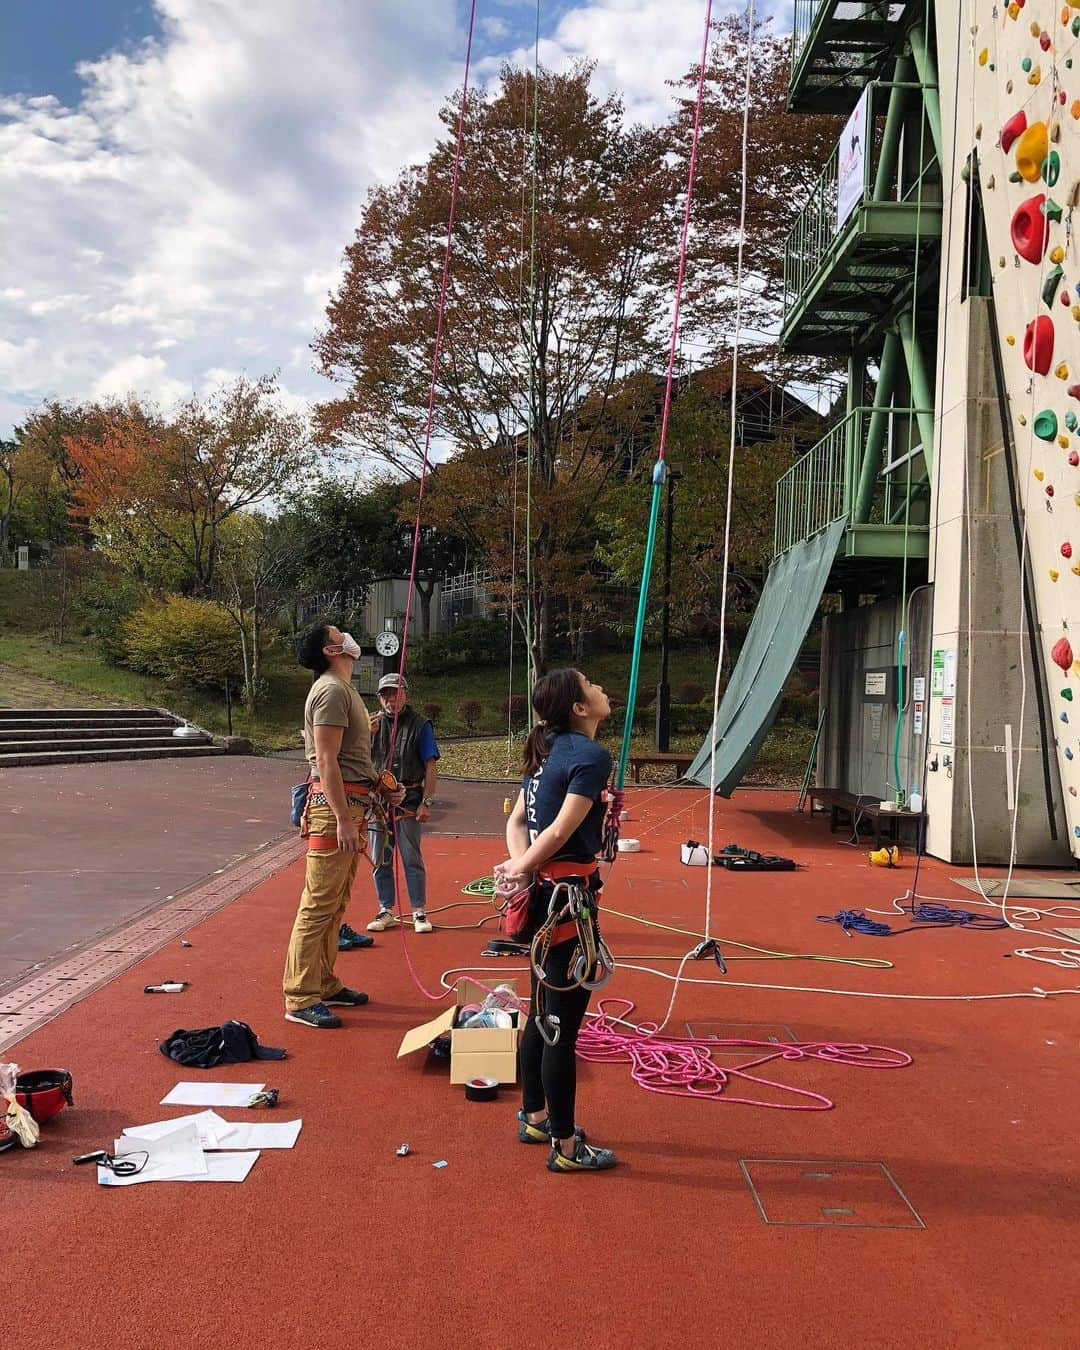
(572, 914)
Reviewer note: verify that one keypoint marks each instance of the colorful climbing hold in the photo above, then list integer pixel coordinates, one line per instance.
(1066, 299)
(1039, 344)
(984, 56)
(1063, 441)
(1044, 41)
(1039, 474)
(1061, 370)
(1074, 458)
(1031, 150)
(1050, 285)
(1051, 168)
(1066, 549)
(1068, 753)
(1046, 425)
(1073, 391)
(1054, 575)
(1061, 654)
(1013, 129)
(1049, 489)
(1025, 64)
(1022, 419)
(1067, 694)
(1051, 210)
(1036, 76)
(1030, 230)
(1057, 253)
(1071, 420)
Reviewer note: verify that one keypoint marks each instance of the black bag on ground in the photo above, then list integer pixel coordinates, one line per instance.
(231, 1043)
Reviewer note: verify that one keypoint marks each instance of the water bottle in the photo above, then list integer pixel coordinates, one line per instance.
(915, 799)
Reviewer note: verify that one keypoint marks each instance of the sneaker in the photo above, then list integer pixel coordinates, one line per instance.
(348, 938)
(586, 1159)
(540, 1132)
(386, 918)
(420, 922)
(318, 1015)
(346, 998)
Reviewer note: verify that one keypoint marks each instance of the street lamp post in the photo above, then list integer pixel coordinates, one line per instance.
(663, 689)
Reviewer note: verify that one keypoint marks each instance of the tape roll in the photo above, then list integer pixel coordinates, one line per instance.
(481, 1090)
(629, 845)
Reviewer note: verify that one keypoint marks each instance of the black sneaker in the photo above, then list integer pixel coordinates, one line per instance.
(346, 998)
(586, 1158)
(318, 1015)
(348, 938)
(540, 1132)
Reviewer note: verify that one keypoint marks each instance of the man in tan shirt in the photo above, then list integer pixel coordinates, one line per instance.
(337, 740)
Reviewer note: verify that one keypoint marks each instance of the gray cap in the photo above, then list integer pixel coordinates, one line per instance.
(393, 681)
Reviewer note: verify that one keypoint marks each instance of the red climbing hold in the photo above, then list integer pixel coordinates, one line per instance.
(1044, 41)
(1030, 229)
(1074, 458)
(1061, 654)
(1039, 344)
(1049, 489)
(1066, 550)
(1073, 391)
(1013, 129)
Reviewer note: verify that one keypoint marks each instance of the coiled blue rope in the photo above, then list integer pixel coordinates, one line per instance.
(924, 916)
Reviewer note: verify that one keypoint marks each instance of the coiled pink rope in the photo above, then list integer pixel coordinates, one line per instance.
(683, 1066)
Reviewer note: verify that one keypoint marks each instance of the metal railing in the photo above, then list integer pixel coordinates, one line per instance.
(818, 228)
(822, 486)
(807, 12)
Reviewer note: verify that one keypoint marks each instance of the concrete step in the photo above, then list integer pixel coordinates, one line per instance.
(96, 714)
(178, 750)
(89, 723)
(34, 746)
(42, 732)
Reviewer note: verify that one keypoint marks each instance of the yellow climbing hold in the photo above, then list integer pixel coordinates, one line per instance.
(1057, 254)
(1034, 30)
(1076, 312)
(1075, 109)
(1010, 339)
(1039, 474)
(1054, 575)
(984, 56)
(1014, 9)
(1062, 371)
(1063, 441)
(1055, 132)
(1031, 149)
(1075, 569)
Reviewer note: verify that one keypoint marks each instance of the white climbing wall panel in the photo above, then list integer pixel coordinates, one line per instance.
(1023, 73)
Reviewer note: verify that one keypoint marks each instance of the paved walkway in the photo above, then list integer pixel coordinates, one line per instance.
(87, 847)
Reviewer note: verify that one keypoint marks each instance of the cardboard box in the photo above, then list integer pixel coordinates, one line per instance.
(478, 1052)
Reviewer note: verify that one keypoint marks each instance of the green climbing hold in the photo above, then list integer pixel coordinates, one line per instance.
(1066, 694)
(1045, 425)
(1025, 64)
(1050, 285)
(1050, 209)
(1015, 177)
(1068, 63)
(1051, 168)
(1076, 26)
(992, 66)
(1071, 420)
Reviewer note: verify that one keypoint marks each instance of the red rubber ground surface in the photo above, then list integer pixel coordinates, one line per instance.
(340, 1242)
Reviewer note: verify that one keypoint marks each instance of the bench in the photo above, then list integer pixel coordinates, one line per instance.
(859, 808)
(639, 762)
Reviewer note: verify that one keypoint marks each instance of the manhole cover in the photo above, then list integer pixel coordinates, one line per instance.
(828, 1194)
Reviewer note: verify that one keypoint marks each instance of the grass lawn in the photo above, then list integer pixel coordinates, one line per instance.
(36, 671)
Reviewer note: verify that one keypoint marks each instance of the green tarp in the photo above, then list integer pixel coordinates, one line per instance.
(781, 621)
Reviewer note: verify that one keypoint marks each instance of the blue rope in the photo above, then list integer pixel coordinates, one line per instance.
(925, 916)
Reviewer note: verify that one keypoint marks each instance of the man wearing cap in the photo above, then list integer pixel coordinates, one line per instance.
(415, 766)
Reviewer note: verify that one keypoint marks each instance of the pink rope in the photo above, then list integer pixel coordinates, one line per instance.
(685, 236)
(683, 1066)
(435, 998)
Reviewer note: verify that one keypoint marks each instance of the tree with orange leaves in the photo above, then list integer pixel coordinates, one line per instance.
(151, 485)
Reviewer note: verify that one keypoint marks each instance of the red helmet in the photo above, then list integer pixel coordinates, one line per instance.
(43, 1093)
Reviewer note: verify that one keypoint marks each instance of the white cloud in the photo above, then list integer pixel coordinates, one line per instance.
(188, 217)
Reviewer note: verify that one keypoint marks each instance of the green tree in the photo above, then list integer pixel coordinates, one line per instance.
(515, 357)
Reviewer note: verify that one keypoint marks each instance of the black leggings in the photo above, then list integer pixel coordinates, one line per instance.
(549, 1072)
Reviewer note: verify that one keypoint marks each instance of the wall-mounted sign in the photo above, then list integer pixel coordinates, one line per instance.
(850, 169)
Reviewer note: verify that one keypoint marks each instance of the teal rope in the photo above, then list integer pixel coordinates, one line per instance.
(658, 479)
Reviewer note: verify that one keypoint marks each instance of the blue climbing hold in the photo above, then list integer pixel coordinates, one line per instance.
(1068, 753)
(1063, 716)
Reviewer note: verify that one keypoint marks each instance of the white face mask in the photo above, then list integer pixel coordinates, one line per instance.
(349, 646)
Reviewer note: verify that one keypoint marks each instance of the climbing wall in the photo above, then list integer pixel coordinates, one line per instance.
(1024, 77)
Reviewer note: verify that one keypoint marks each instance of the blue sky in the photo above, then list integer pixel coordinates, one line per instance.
(179, 178)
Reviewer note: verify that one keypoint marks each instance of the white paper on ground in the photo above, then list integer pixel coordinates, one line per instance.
(210, 1126)
(170, 1157)
(260, 1135)
(220, 1167)
(211, 1094)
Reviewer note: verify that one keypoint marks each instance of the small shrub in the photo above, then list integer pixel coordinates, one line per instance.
(183, 642)
(469, 711)
(431, 710)
(690, 692)
(104, 606)
(515, 709)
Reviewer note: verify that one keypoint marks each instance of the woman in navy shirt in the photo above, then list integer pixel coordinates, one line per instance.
(554, 832)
